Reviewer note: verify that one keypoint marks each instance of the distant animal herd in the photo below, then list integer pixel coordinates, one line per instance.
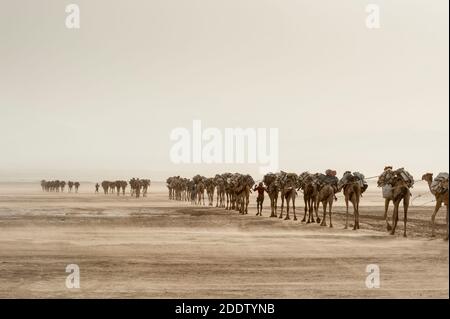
(59, 186)
(233, 190)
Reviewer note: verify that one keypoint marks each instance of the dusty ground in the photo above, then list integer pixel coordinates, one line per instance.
(156, 248)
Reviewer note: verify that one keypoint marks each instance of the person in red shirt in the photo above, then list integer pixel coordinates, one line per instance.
(260, 199)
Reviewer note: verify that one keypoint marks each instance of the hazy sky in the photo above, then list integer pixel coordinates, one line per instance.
(105, 98)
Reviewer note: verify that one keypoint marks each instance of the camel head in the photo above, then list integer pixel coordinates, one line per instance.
(427, 177)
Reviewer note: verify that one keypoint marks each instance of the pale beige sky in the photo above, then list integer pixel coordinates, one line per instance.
(104, 98)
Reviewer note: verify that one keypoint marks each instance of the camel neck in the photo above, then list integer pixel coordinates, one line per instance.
(429, 184)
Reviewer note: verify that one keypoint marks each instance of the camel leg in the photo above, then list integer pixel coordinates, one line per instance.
(395, 217)
(330, 205)
(282, 206)
(293, 207)
(324, 221)
(436, 209)
(287, 209)
(276, 205)
(386, 207)
(316, 209)
(306, 209)
(405, 212)
(355, 212)
(311, 211)
(346, 212)
(247, 200)
(446, 219)
(273, 207)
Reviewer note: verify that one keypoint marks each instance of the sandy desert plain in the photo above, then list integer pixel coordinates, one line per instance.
(155, 248)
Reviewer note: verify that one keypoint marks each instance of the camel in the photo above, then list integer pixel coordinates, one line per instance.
(112, 187)
(352, 192)
(210, 187)
(309, 188)
(62, 184)
(441, 198)
(184, 189)
(326, 197)
(199, 189)
(227, 177)
(220, 184)
(145, 184)
(189, 188)
(169, 186)
(288, 182)
(192, 192)
(400, 182)
(135, 185)
(400, 192)
(272, 189)
(123, 185)
(243, 191)
(117, 185)
(105, 186)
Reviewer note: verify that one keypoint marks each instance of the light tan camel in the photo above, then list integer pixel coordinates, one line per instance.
(310, 192)
(245, 182)
(326, 197)
(400, 192)
(290, 193)
(352, 192)
(441, 198)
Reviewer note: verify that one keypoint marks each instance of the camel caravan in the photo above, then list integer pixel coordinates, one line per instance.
(233, 193)
(233, 190)
(59, 186)
(138, 187)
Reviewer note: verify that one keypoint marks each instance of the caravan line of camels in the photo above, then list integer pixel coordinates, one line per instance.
(59, 186)
(233, 193)
(138, 186)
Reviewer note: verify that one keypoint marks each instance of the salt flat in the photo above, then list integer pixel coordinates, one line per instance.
(155, 248)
